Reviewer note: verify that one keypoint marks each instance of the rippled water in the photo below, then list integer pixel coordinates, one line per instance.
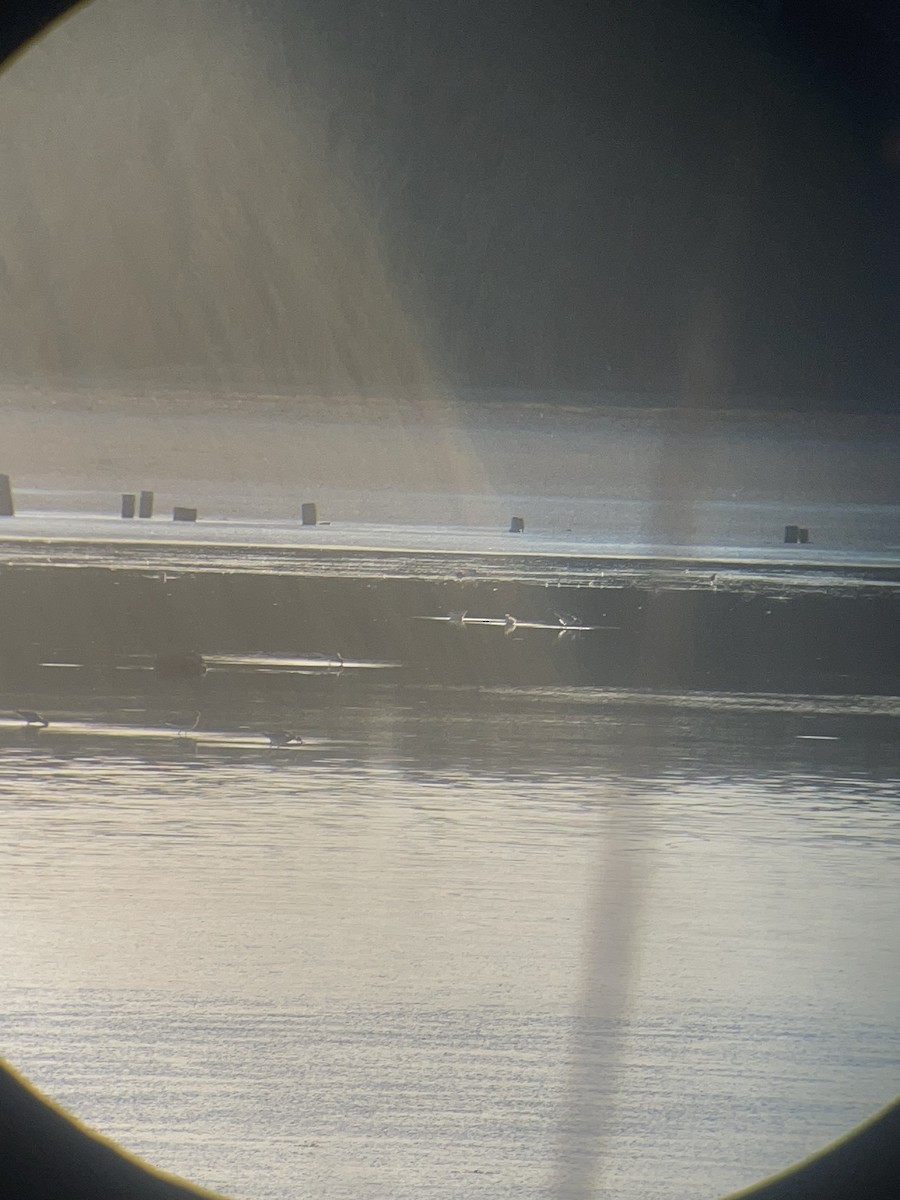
(465, 942)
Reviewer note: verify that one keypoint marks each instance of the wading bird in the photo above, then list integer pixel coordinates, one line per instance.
(32, 719)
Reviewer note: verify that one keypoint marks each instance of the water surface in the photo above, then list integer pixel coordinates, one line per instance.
(463, 940)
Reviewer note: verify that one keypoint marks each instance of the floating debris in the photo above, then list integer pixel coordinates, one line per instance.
(180, 666)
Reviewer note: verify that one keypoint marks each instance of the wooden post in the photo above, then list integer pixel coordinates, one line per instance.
(517, 525)
(129, 501)
(791, 534)
(7, 508)
(145, 508)
(183, 514)
(308, 514)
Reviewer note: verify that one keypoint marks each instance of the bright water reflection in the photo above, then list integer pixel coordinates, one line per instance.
(458, 933)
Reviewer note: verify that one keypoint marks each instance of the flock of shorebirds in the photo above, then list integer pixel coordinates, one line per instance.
(564, 626)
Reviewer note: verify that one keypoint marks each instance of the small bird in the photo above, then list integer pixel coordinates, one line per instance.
(281, 737)
(32, 719)
(184, 729)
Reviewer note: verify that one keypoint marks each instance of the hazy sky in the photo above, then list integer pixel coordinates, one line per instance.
(397, 196)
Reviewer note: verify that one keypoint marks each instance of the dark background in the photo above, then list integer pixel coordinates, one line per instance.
(693, 200)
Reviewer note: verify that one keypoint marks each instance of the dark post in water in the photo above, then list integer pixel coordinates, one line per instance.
(791, 534)
(7, 508)
(308, 514)
(184, 514)
(517, 525)
(146, 506)
(128, 504)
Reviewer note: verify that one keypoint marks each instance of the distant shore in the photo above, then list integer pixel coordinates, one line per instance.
(203, 398)
(109, 440)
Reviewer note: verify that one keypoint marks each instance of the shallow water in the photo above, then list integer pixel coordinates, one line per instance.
(466, 942)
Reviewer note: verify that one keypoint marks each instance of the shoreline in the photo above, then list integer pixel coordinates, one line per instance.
(367, 551)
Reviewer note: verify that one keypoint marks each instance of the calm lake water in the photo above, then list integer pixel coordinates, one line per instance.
(463, 942)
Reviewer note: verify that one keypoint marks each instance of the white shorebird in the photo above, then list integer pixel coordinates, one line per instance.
(564, 626)
(184, 730)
